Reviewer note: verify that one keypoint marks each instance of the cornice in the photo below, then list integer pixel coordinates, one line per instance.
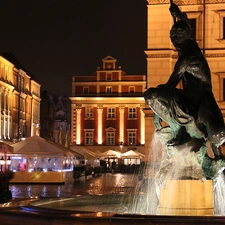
(215, 55)
(185, 2)
(162, 56)
(208, 55)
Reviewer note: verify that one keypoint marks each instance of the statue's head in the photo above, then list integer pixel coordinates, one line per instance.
(180, 32)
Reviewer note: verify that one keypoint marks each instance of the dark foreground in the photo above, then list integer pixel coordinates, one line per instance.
(17, 216)
(18, 211)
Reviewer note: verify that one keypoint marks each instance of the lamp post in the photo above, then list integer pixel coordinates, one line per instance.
(8, 162)
(2, 162)
(121, 146)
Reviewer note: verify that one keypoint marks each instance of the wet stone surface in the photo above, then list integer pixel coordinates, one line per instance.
(104, 184)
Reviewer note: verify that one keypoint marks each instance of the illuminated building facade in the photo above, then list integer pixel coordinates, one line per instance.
(207, 21)
(19, 101)
(107, 109)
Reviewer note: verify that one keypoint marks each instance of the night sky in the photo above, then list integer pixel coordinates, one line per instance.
(56, 39)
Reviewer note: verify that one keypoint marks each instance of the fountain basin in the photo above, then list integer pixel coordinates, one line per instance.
(80, 210)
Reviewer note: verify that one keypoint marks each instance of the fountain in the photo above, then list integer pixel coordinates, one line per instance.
(184, 181)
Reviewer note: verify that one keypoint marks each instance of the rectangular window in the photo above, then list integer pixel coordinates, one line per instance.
(110, 137)
(89, 113)
(88, 137)
(132, 113)
(223, 89)
(223, 27)
(111, 113)
(85, 90)
(131, 89)
(108, 90)
(108, 76)
(132, 137)
(192, 23)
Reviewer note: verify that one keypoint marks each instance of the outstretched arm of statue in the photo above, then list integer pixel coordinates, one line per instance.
(176, 13)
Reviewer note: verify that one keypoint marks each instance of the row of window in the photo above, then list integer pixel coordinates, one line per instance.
(110, 137)
(108, 89)
(111, 112)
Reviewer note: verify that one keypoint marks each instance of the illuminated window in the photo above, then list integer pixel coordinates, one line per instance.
(132, 137)
(89, 112)
(132, 113)
(110, 137)
(111, 113)
(108, 90)
(88, 137)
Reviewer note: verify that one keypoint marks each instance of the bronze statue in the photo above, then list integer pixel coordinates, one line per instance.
(191, 112)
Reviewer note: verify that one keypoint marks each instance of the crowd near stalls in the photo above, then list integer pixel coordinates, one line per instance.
(112, 160)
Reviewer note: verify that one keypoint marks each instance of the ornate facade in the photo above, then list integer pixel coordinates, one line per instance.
(19, 101)
(107, 109)
(208, 17)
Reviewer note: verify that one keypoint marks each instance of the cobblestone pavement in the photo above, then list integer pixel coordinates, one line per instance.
(103, 184)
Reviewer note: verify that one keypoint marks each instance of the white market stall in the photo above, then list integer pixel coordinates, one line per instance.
(132, 157)
(36, 160)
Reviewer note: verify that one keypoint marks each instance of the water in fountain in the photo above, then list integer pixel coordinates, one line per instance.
(164, 166)
(145, 200)
(219, 196)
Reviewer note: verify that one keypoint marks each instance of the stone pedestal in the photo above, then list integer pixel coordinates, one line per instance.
(187, 197)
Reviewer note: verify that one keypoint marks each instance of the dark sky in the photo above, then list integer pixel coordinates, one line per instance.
(56, 39)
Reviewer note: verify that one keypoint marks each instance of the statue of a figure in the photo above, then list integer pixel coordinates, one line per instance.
(191, 112)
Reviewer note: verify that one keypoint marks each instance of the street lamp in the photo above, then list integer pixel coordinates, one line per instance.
(121, 146)
(2, 162)
(8, 162)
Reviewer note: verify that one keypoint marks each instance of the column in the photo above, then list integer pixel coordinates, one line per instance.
(32, 118)
(9, 114)
(78, 124)
(121, 132)
(4, 115)
(100, 110)
(142, 126)
(1, 112)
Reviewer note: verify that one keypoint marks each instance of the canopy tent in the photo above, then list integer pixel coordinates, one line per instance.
(132, 157)
(110, 154)
(38, 160)
(38, 145)
(132, 154)
(89, 155)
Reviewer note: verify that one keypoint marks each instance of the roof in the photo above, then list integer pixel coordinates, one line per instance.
(39, 145)
(89, 155)
(10, 57)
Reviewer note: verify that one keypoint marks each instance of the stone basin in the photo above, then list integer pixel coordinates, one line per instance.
(81, 210)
